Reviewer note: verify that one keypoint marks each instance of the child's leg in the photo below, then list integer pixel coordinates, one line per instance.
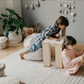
(33, 48)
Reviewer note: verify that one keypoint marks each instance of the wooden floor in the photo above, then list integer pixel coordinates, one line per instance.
(11, 48)
(33, 72)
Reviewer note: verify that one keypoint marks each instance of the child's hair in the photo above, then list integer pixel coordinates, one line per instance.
(69, 40)
(62, 21)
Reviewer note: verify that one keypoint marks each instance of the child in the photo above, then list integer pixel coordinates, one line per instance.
(72, 60)
(51, 31)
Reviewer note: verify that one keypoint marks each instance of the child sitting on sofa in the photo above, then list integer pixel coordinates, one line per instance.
(72, 60)
(60, 24)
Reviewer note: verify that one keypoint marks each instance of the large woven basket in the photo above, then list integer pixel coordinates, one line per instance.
(30, 29)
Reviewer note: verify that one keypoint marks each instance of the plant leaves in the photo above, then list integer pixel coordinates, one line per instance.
(4, 15)
(16, 31)
(10, 16)
(11, 27)
(9, 22)
(6, 33)
(16, 22)
(10, 10)
(5, 21)
(19, 18)
(12, 23)
(3, 27)
(21, 27)
(0, 18)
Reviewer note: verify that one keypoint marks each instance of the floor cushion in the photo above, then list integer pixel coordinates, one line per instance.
(36, 55)
(29, 40)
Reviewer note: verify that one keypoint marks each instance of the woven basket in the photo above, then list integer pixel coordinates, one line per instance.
(30, 29)
(3, 43)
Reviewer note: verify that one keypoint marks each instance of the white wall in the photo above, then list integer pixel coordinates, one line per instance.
(2, 7)
(17, 6)
(13, 4)
(9, 4)
(48, 13)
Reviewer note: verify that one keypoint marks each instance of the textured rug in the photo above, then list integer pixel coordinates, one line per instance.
(33, 72)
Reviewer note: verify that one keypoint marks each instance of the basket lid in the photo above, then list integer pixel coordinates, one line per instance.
(3, 39)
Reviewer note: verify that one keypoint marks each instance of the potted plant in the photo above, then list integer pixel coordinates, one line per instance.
(12, 25)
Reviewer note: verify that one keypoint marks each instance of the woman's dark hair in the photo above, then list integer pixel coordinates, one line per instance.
(69, 40)
(62, 21)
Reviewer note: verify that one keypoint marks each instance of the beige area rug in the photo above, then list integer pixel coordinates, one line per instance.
(33, 72)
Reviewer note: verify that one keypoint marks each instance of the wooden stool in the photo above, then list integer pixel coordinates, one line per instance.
(47, 44)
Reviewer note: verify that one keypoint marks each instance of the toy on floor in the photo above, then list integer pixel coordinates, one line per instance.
(2, 69)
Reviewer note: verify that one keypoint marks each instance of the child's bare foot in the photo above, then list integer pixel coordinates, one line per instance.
(21, 56)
